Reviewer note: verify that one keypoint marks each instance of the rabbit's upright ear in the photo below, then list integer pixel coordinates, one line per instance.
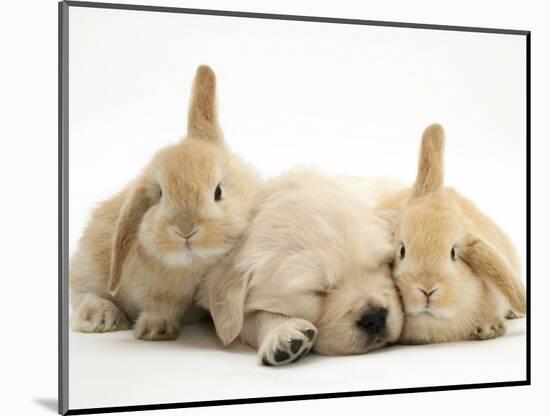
(227, 296)
(203, 114)
(487, 263)
(430, 163)
(127, 226)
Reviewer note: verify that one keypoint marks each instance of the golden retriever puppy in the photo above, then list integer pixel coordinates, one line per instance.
(311, 272)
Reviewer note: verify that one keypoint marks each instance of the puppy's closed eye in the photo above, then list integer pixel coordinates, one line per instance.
(320, 293)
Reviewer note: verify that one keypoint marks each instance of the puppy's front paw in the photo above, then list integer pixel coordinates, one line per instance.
(489, 330)
(152, 327)
(98, 315)
(288, 342)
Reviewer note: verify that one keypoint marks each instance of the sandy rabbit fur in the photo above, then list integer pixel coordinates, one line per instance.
(145, 250)
(458, 273)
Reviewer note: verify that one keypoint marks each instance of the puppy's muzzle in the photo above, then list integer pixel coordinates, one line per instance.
(374, 321)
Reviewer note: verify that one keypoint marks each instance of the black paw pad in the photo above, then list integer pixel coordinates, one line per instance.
(310, 333)
(265, 362)
(281, 356)
(295, 345)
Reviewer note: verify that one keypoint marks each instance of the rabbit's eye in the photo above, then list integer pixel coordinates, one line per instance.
(402, 252)
(453, 254)
(218, 193)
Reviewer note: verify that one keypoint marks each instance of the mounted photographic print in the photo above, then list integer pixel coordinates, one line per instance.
(262, 207)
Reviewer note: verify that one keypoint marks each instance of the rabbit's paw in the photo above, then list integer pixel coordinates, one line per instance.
(98, 315)
(489, 330)
(152, 327)
(288, 342)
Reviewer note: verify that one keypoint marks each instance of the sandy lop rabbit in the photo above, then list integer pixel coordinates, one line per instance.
(311, 271)
(145, 250)
(457, 271)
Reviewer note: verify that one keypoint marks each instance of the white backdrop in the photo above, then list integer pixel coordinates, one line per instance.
(29, 85)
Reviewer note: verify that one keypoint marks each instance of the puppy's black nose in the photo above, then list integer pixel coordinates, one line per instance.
(374, 321)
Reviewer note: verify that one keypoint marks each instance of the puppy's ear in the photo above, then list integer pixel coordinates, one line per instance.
(430, 163)
(381, 234)
(127, 226)
(227, 293)
(487, 263)
(203, 114)
(388, 216)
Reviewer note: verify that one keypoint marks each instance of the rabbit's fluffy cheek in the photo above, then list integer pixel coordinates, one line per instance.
(211, 240)
(218, 235)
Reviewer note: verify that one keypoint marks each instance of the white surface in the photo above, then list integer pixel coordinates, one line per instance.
(29, 202)
(116, 370)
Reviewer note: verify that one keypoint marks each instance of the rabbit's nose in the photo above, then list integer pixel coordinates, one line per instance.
(374, 321)
(428, 293)
(191, 234)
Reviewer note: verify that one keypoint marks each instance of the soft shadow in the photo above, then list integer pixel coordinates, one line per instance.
(49, 404)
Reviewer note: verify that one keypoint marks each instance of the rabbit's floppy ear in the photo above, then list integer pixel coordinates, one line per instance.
(430, 163)
(203, 114)
(228, 289)
(127, 226)
(486, 262)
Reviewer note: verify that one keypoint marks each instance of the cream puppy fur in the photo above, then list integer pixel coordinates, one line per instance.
(457, 271)
(146, 249)
(311, 271)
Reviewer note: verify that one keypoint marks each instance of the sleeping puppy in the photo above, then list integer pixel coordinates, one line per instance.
(311, 272)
